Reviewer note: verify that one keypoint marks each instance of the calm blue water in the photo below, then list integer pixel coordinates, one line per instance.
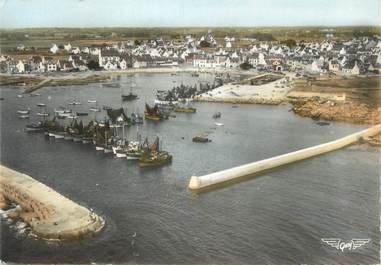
(276, 218)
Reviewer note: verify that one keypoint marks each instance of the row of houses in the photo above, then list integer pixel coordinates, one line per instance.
(356, 56)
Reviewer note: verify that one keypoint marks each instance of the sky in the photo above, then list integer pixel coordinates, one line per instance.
(180, 13)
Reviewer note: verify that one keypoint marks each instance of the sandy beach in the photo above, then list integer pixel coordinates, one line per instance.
(270, 93)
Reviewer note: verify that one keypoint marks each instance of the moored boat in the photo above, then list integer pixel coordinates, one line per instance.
(185, 109)
(152, 156)
(201, 138)
(129, 97)
(35, 127)
(94, 109)
(217, 115)
(44, 114)
(82, 113)
(99, 148)
(153, 113)
(24, 112)
(158, 159)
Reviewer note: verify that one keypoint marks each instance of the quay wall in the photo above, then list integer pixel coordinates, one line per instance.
(201, 182)
(50, 215)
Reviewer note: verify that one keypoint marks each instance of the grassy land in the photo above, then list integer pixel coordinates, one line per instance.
(359, 89)
(43, 37)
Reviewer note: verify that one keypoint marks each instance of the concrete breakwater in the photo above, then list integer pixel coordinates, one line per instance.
(50, 215)
(197, 183)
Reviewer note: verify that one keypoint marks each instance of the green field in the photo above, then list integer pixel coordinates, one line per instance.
(43, 37)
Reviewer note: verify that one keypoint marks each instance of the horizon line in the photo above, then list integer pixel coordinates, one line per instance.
(201, 27)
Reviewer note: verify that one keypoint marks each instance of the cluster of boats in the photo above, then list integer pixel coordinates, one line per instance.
(104, 136)
(184, 92)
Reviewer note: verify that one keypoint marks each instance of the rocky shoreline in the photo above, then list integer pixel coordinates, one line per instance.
(347, 111)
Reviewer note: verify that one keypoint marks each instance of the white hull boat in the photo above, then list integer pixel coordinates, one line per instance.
(121, 155)
(132, 158)
(24, 112)
(59, 136)
(99, 148)
(107, 151)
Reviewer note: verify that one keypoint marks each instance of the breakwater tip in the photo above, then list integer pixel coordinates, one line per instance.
(194, 183)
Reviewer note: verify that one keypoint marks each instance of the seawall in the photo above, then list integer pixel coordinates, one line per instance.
(50, 215)
(201, 182)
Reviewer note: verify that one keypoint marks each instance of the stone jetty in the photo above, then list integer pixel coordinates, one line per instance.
(50, 215)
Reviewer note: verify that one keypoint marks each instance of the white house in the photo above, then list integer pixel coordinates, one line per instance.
(333, 66)
(76, 50)
(67, 47)
(20, 67)
(51, 66)
(110, 65)
(41, 67)
(123, 64)
(54, 48)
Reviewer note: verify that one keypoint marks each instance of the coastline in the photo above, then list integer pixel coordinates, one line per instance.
(305, 102)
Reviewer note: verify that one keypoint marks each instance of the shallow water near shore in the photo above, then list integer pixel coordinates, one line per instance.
(151, 216)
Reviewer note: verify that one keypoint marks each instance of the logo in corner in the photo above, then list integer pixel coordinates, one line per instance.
(342, 245)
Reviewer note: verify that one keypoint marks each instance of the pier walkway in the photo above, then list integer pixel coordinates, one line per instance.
(197, 183)
(49, 214)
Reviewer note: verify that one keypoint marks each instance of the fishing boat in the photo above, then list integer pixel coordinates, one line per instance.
(153, 156)
(86, 140)
(157, 159)
(153, 113)
(120, 154)
(136, 118)
(82, 113)
(44, 114)
(68, 137)
(91, 101)
(107, 150)
(134, 151)
(130, 96)
(24, 112)
(35, 127)
(99, 147)
(201, 138)
(217, 115)
(186, 108)
(24, 117)
(59, 135)
(41, 105)
(94, 109)
(74, 103)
